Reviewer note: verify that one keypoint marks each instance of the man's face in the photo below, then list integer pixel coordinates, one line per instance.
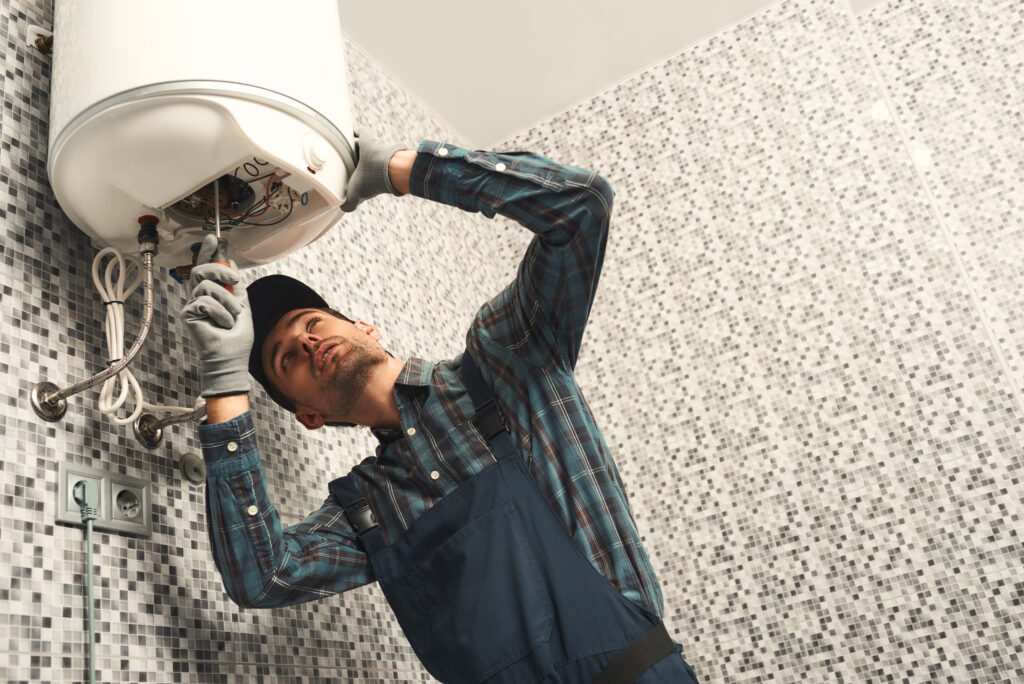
(321, 362)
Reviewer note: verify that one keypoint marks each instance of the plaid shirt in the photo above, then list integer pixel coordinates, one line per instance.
(526, 340)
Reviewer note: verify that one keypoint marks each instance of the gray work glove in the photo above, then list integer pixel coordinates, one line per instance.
(220, 322)
(371, 175)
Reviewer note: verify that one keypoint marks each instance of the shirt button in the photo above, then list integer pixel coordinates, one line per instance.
(434, 474)
(252, 510)
(442, 152)
(411, 431)
(500, 167)
(232, 446)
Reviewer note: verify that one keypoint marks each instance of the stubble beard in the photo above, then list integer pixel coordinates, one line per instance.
(346, 380)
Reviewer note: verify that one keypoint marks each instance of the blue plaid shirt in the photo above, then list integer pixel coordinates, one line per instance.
(526, 340)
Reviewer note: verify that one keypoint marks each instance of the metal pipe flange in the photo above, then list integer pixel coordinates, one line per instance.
(45, 404)
(148, 431)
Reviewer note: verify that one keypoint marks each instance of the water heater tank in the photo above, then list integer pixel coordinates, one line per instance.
(152, 103)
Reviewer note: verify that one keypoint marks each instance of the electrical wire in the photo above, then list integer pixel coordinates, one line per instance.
(114, 289)
(269, 192)
(291, 206)
(266, 198)
(92, 628)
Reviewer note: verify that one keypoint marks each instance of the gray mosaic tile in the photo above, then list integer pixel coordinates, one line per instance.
(952, 71)
(819, 440)
(806, 410)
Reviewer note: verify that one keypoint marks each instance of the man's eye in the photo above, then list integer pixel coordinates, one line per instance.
(311, 323)
(284, 360)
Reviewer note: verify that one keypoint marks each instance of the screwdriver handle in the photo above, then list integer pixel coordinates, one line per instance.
(220, 257)
(229, 288)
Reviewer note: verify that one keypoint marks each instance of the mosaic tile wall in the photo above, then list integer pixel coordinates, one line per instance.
(805, 353)
(953, 72)
(806, 347)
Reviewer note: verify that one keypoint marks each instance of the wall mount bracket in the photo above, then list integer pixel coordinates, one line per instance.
(39, 37)
(193, 468)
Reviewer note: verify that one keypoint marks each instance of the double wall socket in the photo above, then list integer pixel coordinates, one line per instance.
(124, 501)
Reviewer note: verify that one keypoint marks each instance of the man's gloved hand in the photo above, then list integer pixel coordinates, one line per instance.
(220, 322)
(371, 175)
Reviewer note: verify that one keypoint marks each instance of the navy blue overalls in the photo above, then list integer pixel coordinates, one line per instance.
(488, 586)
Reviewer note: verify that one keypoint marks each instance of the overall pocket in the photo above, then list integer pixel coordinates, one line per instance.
(487, 602)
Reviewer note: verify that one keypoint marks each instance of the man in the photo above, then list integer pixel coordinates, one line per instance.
(492, 515)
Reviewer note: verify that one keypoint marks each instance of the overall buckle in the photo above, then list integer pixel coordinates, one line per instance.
(489, 420)
(361, 519)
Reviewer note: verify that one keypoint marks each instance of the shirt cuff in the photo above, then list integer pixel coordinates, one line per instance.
(432, 172)
(230, 447)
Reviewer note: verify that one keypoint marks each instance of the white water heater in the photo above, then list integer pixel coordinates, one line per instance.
(153, 102)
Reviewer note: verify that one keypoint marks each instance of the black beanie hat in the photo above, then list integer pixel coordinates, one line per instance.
(271, 297)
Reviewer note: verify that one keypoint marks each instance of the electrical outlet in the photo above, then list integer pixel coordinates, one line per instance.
(71, 505)
(130, 505)
(124, 501)
(68, 510)
(126, 505)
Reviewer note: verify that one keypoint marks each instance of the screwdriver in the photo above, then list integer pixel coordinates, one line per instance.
(222, 245)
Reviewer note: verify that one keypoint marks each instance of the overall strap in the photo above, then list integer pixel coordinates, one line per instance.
(488, 420)
(487, 416)
(358, 512)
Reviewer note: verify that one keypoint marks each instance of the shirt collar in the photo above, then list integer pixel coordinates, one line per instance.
(415, 373)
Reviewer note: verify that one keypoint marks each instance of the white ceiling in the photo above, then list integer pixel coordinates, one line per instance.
(493, 69)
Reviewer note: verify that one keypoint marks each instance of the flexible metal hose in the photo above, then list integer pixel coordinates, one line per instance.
(117, 366)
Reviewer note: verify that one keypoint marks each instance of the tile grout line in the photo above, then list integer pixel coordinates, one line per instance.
(934, 205)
